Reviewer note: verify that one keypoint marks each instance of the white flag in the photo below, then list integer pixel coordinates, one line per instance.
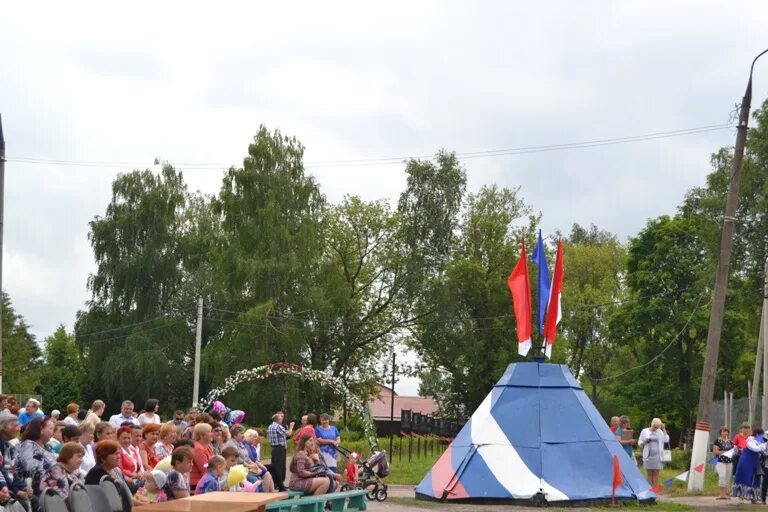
(683, 477)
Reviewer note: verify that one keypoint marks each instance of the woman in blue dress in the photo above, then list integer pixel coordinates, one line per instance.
(746, 481)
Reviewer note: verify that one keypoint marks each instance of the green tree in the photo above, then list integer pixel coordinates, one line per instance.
(62, 372)
(133, 327)
(595, 262)
(469, 333)
(21, 354)
(430, 207)
(665, 320)
(265, 261)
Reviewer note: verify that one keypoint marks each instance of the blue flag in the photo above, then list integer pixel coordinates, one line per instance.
(539, 257)
(669, 482)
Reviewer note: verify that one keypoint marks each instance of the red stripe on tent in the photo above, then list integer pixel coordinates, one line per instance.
(443, 479)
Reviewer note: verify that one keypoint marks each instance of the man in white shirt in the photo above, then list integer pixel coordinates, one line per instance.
(126, 414)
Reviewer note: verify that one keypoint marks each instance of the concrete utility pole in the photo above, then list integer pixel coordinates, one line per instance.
(763, 327)
(392, 405)
(198, 342)
(2, 206)
(706, 393)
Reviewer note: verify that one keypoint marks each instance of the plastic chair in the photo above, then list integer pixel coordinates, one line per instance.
(52, 501)
(125, 494)
(79, 500)
(99, 500)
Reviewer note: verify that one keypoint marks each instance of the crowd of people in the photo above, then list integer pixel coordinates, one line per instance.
(745, 457)
(151, 461)
(652, 441)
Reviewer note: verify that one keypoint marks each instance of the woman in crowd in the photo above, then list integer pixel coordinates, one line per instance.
(150, 412)
(71, 417)
(328, 438)
(94, 415)
(302, 479)
(308, 424)
(253, 444)
(724, 467)
(33, 457)
(218, 440)
(652, 440)
(167, 436)
(86, 440)
(202, 452)
(627, 444)
(256, 470)
(102, 431)
(66, 472)
(107, 468)
(130, 462)
(150, 437)
(107, 463)
(746, 481)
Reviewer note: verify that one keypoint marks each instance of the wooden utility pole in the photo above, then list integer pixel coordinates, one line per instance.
(706, 393)
(2, 206)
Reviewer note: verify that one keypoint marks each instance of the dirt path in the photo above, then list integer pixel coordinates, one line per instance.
(404, 502)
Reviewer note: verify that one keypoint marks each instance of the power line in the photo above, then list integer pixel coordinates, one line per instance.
(657, 356)
(320, 164)
(506, 316)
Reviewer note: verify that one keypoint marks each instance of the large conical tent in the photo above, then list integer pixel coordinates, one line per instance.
(536, 437)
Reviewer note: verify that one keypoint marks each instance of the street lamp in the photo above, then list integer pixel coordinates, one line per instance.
(706, 393)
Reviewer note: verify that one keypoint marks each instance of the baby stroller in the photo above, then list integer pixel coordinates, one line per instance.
(369, 475)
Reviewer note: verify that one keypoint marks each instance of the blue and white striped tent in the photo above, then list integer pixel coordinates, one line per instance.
(536, 437)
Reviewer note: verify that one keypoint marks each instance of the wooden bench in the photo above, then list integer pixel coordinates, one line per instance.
(350, 501)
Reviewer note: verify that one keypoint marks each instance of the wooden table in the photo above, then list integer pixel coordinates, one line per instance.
(213, 501)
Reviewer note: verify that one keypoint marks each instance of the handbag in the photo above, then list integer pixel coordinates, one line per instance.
(666, 454)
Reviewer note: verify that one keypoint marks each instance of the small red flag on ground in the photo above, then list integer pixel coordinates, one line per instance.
(617, 478)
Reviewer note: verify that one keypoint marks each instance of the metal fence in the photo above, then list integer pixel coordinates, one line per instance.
(738, 413)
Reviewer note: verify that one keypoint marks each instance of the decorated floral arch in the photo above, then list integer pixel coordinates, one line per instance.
(294, 370)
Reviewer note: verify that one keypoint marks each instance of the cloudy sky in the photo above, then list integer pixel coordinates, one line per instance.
(191, 82)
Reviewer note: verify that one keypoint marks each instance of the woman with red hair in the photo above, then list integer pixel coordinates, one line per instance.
(150, 435)
(130, 461)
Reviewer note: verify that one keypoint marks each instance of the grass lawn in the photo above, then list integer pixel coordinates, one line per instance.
(681, 488)
(410, 473)
(427, 505)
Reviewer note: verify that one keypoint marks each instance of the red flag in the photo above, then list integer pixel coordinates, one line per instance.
(521, 301)
(617, 478)
(699, 468)
(554, 311)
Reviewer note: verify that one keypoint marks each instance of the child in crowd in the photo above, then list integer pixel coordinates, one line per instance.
(152, 490)
(352, 468)
(177, 480)
(217, 468)
(235, 477)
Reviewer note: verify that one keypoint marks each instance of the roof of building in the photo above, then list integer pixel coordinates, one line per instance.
(381, 405)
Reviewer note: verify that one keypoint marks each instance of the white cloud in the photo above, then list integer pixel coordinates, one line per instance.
(191, 83)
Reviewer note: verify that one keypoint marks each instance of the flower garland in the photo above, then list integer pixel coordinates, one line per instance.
(295, 370)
